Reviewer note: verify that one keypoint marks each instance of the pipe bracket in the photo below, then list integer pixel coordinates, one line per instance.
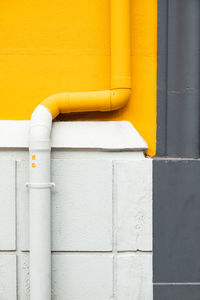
(44, 185)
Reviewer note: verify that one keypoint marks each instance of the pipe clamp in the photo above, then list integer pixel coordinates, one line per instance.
(44, 185)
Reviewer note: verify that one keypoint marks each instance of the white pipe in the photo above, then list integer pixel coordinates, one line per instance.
(41, 121)
(40, 204)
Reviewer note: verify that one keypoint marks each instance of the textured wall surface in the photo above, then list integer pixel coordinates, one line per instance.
(101, 227)
(176, 229)
(176, 169)
(178, 78)
(48, 47)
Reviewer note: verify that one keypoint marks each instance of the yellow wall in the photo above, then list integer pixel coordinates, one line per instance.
(49, 46)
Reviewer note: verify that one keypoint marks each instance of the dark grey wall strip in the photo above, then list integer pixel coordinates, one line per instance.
(173, 292)
(176, 221)
(162, 76)
(178, 78)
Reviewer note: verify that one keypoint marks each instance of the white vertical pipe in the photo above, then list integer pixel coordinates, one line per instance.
(40, 205)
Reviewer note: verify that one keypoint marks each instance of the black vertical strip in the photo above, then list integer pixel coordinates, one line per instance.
(176, 242)
(178, 78)
(162, 76)
(183, 78)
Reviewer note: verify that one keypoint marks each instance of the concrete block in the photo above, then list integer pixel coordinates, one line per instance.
(7, 277)
(75, 276)
(23, 277)
(7, 205)
(134, 277)
(133, 197)
(81, 205)
(22, 205)
(82, 277)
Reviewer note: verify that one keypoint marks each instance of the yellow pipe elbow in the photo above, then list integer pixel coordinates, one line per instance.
(87, 101)
(119, 98)
(120, 91)
(78, 102)
(53, 103)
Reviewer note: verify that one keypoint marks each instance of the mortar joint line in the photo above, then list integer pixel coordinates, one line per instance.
(114, 235)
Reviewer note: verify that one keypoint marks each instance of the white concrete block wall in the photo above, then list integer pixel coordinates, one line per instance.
(101, 226)
(133, 194)
(134, 281)
(7, 205)
(81, 199)
(8, 280)
(74, 276)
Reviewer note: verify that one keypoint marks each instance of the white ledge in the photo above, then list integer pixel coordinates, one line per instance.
(110, 135)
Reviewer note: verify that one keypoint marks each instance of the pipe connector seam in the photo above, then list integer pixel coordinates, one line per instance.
(119, 98)
(107, 100)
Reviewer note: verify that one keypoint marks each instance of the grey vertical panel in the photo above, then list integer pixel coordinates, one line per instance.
(176, 201)
(183, 78)
(178, 78)
(174, 292)
(162, 76)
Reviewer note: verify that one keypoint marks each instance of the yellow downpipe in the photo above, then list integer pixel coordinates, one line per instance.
(120, 91)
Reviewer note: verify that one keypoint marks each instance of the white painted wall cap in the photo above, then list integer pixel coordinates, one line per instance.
(106, 135)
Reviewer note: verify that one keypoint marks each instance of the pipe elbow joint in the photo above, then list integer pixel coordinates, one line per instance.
(55, 102)
(40, 128)
(119, 98)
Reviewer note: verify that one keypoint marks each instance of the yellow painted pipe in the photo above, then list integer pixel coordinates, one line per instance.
(120, 91)
(120, 44)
